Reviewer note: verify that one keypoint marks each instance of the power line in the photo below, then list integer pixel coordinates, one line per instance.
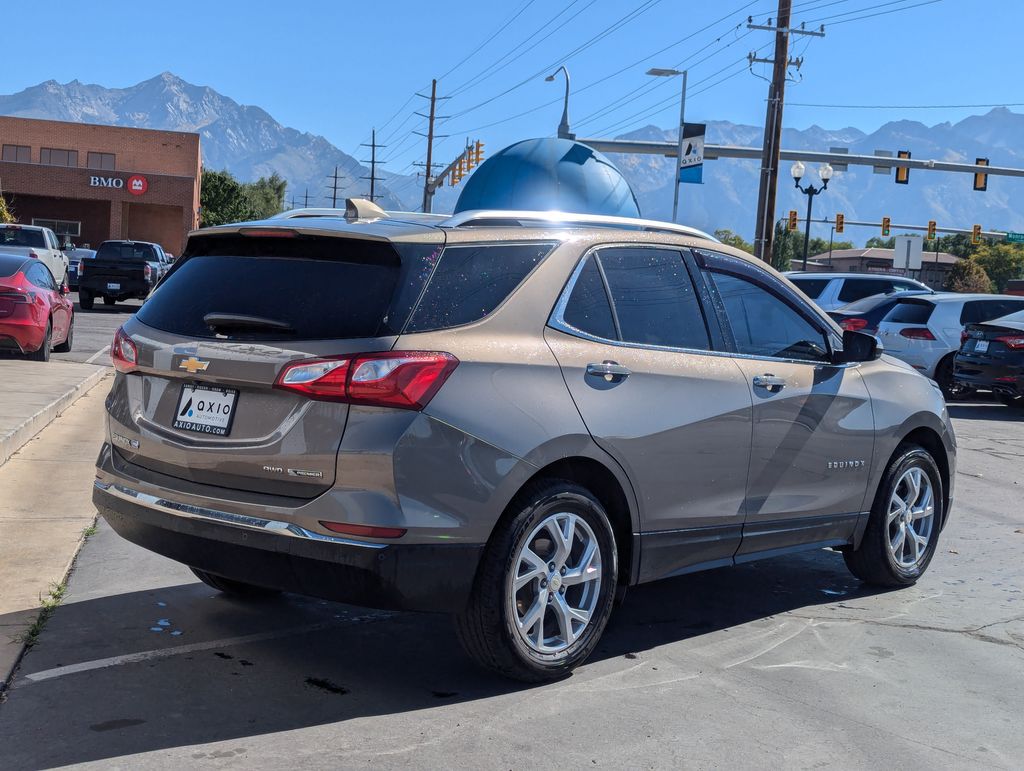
(871, 8)
(500, 28)
(906, 106)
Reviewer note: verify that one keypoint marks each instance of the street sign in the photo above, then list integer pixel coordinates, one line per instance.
(907, 254)
(1015, 238)
(691, 164)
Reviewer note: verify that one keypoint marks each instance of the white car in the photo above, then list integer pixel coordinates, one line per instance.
(925, 331)
(38, 243)
(834, 290)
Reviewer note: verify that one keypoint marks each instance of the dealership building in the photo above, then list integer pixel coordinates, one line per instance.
(91, 183)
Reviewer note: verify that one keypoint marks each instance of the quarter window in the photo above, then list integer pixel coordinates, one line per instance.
(17, 153)
(102, 161)
(53, 157)
(764, 325)
(40, 277)
(587, 308)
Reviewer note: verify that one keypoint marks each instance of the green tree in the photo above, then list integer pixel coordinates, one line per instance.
(732, 239)
(957, 244)
(820, 246)
(266, 195)
(6, 215)
(224, 199)
(1001, 262)
(784, 247)
(876, 242)
(968, 276)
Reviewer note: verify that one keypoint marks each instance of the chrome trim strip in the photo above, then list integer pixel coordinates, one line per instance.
(188, 511)
(570, 219)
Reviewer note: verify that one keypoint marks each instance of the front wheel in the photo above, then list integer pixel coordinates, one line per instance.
(903, 528)
(545, 587)
(65, 347)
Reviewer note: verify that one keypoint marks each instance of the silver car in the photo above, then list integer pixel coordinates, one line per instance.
(508, 417)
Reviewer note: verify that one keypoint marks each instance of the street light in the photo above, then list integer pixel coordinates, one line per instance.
(825, 172)
(563, 127)
(662, 73)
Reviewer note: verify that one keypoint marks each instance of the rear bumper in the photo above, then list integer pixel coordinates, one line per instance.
(21, 334)
(999, 376)
(130, 287)
(278, 556)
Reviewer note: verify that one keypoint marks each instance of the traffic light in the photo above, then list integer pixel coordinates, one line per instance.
(931, 229)
(840, 222)
(792, 219)
(478, 152)
(902, 172)
(981, 179)
(457, 173)
(468, 155)
(885, 226)
(976, 234)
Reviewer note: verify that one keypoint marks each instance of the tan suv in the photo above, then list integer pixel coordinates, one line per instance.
(506, 416)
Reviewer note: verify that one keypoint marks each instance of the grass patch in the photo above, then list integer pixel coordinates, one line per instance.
(48, 604)
(90, 531)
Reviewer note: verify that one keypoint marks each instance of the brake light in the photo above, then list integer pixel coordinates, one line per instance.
(147, 272)
(123, 353)
(1013, 342)
(853, 325)
(917, 333)
(403, 379)
(268, 232)
(963, 337)
(364, 530)
(33, 255)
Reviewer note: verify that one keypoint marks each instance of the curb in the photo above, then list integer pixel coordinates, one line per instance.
(17, 439)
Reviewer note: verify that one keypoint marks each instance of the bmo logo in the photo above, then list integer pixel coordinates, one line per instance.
(136, 183)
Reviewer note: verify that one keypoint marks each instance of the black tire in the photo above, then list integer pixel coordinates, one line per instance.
(1012, 401)
(234, 588)
(85, 299)
(109, 300)
(951, 390)
(873, 562)
(43, 353)
(65, 347)
(487, 630)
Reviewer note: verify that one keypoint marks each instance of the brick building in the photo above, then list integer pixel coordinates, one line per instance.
(91, 183)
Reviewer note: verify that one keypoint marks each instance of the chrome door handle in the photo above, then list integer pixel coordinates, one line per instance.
(610, 370)
(769, 381)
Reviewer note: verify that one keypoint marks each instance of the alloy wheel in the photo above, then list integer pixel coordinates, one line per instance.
(911, 519)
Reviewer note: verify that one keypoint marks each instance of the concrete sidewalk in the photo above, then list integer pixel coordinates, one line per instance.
(33, 393)
(45, 506)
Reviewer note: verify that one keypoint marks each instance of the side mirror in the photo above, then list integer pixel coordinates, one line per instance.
(858, 346)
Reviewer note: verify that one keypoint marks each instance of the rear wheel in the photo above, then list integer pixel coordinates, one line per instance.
(43, 353)
(65, 347)
(109, 300)
(950, 388)
(85, 299)
(903, 529)
(545, 588)
(234, 588)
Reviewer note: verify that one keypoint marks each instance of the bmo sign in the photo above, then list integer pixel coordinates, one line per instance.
(136, 184)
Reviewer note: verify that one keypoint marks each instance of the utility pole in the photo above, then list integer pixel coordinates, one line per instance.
(334, 187)
(428, 171)
(769, 177)
(373, 163)
(305, 199)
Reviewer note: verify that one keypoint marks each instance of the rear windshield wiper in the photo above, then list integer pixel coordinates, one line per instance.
(222, 322)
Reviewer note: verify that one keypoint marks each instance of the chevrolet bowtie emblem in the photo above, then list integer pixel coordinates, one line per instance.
(193, 365)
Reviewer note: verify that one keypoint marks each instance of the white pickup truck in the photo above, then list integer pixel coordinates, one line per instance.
(37, 242)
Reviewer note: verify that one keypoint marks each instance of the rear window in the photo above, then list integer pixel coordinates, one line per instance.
(471, 281)
(21, 237)
(134, 252)
(10, 264)
(859, 288)
(910, 312)
(321, 288)
(977, 311)
(812, 287)
(867, 304)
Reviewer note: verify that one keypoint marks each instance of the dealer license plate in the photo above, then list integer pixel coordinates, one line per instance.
(205, 409)
(981, 346)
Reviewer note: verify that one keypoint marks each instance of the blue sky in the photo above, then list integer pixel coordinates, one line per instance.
(338, 68)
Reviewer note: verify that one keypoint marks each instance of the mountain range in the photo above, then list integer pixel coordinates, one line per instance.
(249, 142)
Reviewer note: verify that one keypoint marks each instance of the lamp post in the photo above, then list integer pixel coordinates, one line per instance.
(825, 172)
(563, 127)
(661, 73)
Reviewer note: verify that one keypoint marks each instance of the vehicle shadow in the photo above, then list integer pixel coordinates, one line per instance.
(244, 669)
(977, 410)
(99, 307)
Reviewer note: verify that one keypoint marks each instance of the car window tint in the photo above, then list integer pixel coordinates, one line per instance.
(976, 311)
(910, 312)
(16, 236)
(654, 298)
(587, 308)
(765, 325)
(812, 287)
(469, 282)
(859, 288)
(113, 250)
(40, 276)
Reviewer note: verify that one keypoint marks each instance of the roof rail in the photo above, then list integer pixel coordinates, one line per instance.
(504, 218)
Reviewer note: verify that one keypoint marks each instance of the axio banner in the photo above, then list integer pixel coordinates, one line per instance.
(691, 164)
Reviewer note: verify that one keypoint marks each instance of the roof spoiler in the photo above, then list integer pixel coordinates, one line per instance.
(355, 209)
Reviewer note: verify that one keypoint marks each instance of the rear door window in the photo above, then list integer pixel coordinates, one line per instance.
(859, 288)
(587, 308)
(812, 287)
(469, 282)
(977, 311)
(910, 312)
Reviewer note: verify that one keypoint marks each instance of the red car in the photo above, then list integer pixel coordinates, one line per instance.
(36, 315)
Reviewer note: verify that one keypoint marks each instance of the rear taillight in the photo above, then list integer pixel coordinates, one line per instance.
(81, 268)
(1013, 342)
(853, 325)
(123, 353)
(963, 337)
(917, 333)
(404, 379)
(33, 255)
(147, 272)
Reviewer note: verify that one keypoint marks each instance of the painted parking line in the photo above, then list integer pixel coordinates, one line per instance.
(98, 353)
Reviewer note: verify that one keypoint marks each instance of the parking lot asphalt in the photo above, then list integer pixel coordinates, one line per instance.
(788, 662)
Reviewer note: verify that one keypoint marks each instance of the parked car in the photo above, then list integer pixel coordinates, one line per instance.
(38, 243)
(509, 417)
(834, 290)
(991, 358)
(75, 257)
(864, 315)
(120, 270)
(925, 331)
(36, 315)
(1015, 286)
